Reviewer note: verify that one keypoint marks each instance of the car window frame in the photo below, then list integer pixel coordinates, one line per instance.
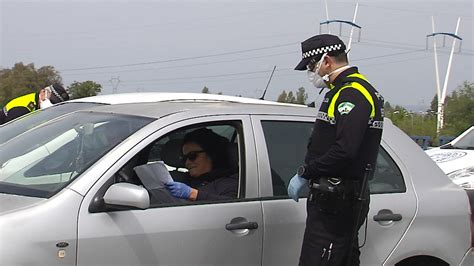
(266, 185)
(164, 126)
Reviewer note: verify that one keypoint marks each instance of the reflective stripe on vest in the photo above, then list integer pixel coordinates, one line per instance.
(28, 101)
(358, 87)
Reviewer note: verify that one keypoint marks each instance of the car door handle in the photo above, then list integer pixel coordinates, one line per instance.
(239, 226)
(387, 215)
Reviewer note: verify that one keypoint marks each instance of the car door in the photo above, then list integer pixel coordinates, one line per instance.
(392, 208)
(209, 233)
(281, 142)
(282, 145)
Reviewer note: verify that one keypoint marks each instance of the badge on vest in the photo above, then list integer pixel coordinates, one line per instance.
(345, 108)
(31, 106)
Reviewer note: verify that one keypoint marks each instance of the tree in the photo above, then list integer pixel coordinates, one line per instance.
(282, 97)
(387, 107)
(459, 115)
(23, 79)
(84, 89)
(301, 96)
(206, 90)
(459, 110)
(290, 98)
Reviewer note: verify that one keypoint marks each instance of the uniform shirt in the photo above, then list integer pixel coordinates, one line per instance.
(19, 107)
(29, 101)
(347, 130)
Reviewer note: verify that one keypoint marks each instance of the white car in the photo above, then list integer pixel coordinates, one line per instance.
(456, 158)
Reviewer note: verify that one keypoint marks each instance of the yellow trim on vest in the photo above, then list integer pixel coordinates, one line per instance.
(357, 75)
(22, 101)
(357, 86)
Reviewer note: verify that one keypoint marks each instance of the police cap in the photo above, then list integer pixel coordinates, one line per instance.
(59, 94)
(316, 46)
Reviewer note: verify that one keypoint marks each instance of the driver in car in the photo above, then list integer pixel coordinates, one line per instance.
(210, 176)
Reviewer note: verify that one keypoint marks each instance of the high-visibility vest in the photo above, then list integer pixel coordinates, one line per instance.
(28, 101)
(356, 85)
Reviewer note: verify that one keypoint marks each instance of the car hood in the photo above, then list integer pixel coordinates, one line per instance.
(450, 160)
(15, 202)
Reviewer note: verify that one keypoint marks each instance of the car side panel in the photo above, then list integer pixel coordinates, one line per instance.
(441, 227)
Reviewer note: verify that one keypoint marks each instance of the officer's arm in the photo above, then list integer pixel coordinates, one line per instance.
(352, 113)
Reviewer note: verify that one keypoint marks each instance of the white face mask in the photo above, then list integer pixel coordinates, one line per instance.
(45, 104)
(322, 82)
(315, 79)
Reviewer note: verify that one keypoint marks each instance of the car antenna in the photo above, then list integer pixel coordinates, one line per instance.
(268, 83)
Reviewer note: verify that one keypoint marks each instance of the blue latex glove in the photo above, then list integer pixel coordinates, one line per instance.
(179, 190)
(295, 186)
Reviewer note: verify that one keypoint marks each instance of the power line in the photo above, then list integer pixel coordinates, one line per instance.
(186, 65)
(182, 58)
(157, 81)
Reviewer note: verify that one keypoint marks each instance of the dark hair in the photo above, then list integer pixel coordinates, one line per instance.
(339, 58)
(214, 145)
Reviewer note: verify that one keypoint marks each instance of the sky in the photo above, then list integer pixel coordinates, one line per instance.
(232, 46)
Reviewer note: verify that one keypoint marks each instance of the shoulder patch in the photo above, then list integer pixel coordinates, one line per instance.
(345, 107)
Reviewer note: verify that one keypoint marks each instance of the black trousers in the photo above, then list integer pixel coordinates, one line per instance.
(328, 232)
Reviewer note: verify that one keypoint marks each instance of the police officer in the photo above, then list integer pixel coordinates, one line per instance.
(345, 139)
(30, 102)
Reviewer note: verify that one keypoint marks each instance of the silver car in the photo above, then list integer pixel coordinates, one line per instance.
(69, 194)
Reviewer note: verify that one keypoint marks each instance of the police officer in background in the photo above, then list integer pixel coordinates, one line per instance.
(345, 139)
(22, 105)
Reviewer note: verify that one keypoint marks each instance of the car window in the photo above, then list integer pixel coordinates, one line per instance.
(43, 160)
(286, 146)
(387, 176)
(287, 143)
(168, 150)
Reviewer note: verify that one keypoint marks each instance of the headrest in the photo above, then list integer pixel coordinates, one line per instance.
(171, 153)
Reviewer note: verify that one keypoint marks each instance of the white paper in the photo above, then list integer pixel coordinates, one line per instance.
(154, 175)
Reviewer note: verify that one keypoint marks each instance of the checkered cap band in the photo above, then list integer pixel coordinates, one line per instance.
(56, 93)
(322, 50)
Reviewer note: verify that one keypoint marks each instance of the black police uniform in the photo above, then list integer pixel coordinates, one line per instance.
(346, 137)
(19, 106)
(28, 103)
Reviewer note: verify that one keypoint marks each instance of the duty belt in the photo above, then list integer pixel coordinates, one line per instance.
(327, 184)
(345, 189)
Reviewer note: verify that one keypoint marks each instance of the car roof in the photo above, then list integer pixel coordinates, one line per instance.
(161, 109)
(146, 97)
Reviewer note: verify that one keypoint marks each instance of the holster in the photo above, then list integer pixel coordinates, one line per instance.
(333, 189)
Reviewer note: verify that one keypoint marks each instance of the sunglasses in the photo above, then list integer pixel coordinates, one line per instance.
(192, 155)
(311, 65)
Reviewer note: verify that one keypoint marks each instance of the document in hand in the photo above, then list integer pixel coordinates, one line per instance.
(153, 175)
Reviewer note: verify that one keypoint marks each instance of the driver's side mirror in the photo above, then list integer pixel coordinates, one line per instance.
(126, 194)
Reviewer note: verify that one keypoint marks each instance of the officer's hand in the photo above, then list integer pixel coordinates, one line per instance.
(179, 190)
(295, 186)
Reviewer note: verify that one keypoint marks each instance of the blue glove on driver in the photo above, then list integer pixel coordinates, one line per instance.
(179, 190)
(295, 186)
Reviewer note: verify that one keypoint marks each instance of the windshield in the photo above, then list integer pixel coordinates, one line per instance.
(42, 161)
(26, 122)
(466, 141)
